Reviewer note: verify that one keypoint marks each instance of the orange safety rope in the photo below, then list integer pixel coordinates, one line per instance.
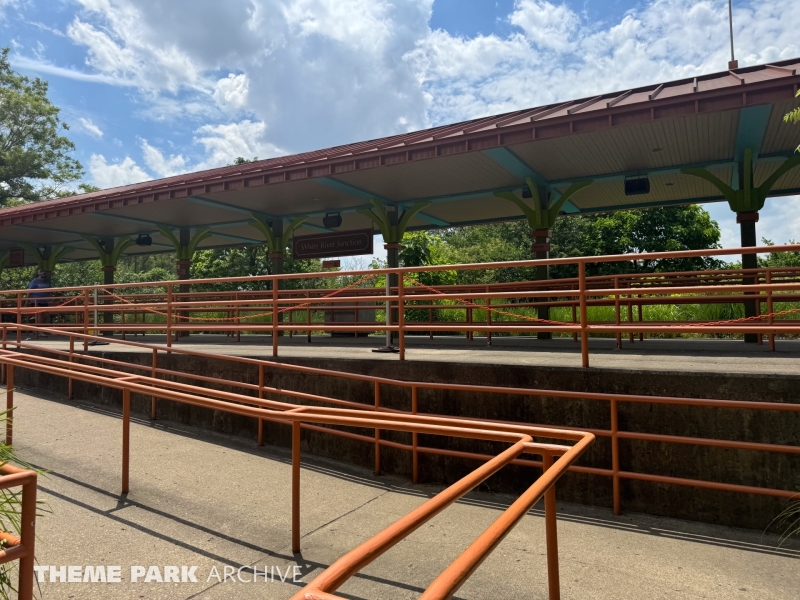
(240, 318)
(38, 312)
(495, 310)
(745, 319)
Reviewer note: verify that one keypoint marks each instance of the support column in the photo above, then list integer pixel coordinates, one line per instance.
(542, 215)
(108, 279)
(392, 226)
(541, 250)
(108, 252)
(747, 222)
(278, 259)
(746, 201)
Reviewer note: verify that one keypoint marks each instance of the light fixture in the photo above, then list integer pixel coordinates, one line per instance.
(636, 186)
(144, 239)
(332, 220)
(526, 192)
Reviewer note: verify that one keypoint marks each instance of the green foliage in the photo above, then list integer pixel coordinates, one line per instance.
(245, 262)
(793, 116)
(35, 161)
(779, 259)
(624, 232)
(11, 511)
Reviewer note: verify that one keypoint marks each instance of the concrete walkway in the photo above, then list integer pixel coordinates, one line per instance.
(206, 501)
(688, 355)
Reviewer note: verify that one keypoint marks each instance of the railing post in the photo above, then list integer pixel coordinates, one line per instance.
(769, 312)
(261, 397)
(401, 316)
(574, 322)
(488, 319)
(551, 534)
(85, 319)
(377, 431)
(584, 314)
(414, 438)
(296, 486)
(9, 405)
(630, 313)
(154, 374)
(308, 317)
(274, 317)
(617, 311)
(169, 315)
(70, 383)
(641, 333)
(27, 536)
(615, 456)
(19, 317)
(126, 439)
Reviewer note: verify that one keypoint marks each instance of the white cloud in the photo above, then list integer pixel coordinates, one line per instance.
(107, 175)
(89, 127)
(159, 164)
(546, 24)
(231, 92)
(556, 54)
(223, 143)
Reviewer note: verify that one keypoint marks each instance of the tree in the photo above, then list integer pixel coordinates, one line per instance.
(623, 232)
(779, 259)
(35, 161)
(793, 116)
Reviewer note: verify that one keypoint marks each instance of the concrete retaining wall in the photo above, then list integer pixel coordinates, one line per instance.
(733, 466)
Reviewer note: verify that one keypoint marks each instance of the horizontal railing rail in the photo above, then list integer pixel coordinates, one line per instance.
(167, 377)
(520, 437)
(498, 305)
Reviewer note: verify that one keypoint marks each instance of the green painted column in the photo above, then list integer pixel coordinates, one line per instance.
(746, 201)
(392, 226)
(541, 215)
(109, 254)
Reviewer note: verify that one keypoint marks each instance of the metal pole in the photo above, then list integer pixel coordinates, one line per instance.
(551, 534)
(734, 64)
(126, 438)
(584, 314)
(296, 486)
(9, 405)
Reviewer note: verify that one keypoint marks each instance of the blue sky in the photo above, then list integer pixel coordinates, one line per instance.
(153, 88)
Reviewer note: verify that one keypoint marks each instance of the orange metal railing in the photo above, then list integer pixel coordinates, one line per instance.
(234, 312)
(166, 377)
(21, 547)
(556, 458)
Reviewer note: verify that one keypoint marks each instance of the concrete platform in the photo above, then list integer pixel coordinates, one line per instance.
(683, 355)
(206, 500)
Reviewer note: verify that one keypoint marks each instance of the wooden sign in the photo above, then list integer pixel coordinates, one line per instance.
(331, 264)
(338, 243)
(16, 258)
(541, 247)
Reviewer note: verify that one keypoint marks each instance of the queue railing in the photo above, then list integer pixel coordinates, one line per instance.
(234, 312)
(520, 438)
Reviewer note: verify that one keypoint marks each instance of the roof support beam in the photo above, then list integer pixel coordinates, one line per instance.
(366, 195)
(247, 211)
(753, 121)
(519, 168)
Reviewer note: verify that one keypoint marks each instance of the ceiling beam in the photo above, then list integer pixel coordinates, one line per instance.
(753, 121)
(241, 209)
(367, 195)
(522, 170)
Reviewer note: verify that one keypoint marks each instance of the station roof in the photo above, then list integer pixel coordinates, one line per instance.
(706, 121)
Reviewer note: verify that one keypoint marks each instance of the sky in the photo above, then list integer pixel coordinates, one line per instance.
(152, 88)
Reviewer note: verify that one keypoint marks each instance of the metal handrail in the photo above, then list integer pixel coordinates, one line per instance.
(521, 438)
(21, 547)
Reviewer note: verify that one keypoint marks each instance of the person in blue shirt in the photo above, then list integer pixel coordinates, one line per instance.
(37, 298)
